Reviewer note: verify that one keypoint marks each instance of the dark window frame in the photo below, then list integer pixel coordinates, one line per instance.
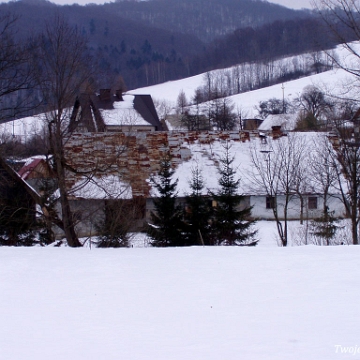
(270, 202)
(313, 202)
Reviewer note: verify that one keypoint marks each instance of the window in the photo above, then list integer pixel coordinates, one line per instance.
(312, 203)
(270, 202)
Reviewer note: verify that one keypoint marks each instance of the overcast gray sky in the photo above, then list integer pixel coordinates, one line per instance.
(295, 4)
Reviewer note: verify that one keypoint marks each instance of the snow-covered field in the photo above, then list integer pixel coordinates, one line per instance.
(197, 303)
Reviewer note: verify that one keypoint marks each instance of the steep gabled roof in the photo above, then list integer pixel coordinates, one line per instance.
(97, 112)
(144, 105)
(86, 114)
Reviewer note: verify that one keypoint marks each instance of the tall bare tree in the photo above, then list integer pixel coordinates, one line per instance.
(322, 168)
(347, 164)
(64, 69)
(323, 171)
(342, 17)
(276, 173)
(222, 114)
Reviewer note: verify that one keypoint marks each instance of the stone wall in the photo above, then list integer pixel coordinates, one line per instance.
(134, 157)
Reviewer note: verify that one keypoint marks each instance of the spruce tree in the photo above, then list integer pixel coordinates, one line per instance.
(165, 228)
(231, 226)
(325, 227)
(198, 213)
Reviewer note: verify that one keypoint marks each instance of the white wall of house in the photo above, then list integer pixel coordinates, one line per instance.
(260, 210)
(90, 212)
(87, 213)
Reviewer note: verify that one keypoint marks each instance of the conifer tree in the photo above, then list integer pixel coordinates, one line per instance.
(198, 213)
(231, 226)
(325, 227)
(166, 224)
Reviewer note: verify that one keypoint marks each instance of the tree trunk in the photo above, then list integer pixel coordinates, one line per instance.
(281, 232)
(301, 209)
(285, 229)
(67, 217)
(279, 225)
(286, 220)
(354, 225)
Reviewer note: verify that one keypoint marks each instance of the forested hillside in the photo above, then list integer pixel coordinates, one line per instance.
(149, 42)
(265, 44)
(205, 19)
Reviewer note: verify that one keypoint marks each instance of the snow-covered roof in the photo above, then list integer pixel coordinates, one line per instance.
(285, 121)
(123, 114)
(207, 158)
(104, 187)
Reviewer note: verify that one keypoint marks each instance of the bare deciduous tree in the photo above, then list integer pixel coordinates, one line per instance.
(241, 115)
(347, 154)
(63, 71)
(222, 114)
(314, 107)
(276, 173)
(322, 168)
(182, 102)
(322, 179)
(272, 106)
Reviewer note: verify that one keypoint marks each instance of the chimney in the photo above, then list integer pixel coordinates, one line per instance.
(118, 94)
(105, 94)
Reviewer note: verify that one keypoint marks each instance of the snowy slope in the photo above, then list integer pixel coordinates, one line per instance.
(334, 82)
(331, 81)
(199, 303)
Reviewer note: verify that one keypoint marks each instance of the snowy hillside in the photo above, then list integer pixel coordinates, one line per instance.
(197, 303)
(334, 82)
(330, 81)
